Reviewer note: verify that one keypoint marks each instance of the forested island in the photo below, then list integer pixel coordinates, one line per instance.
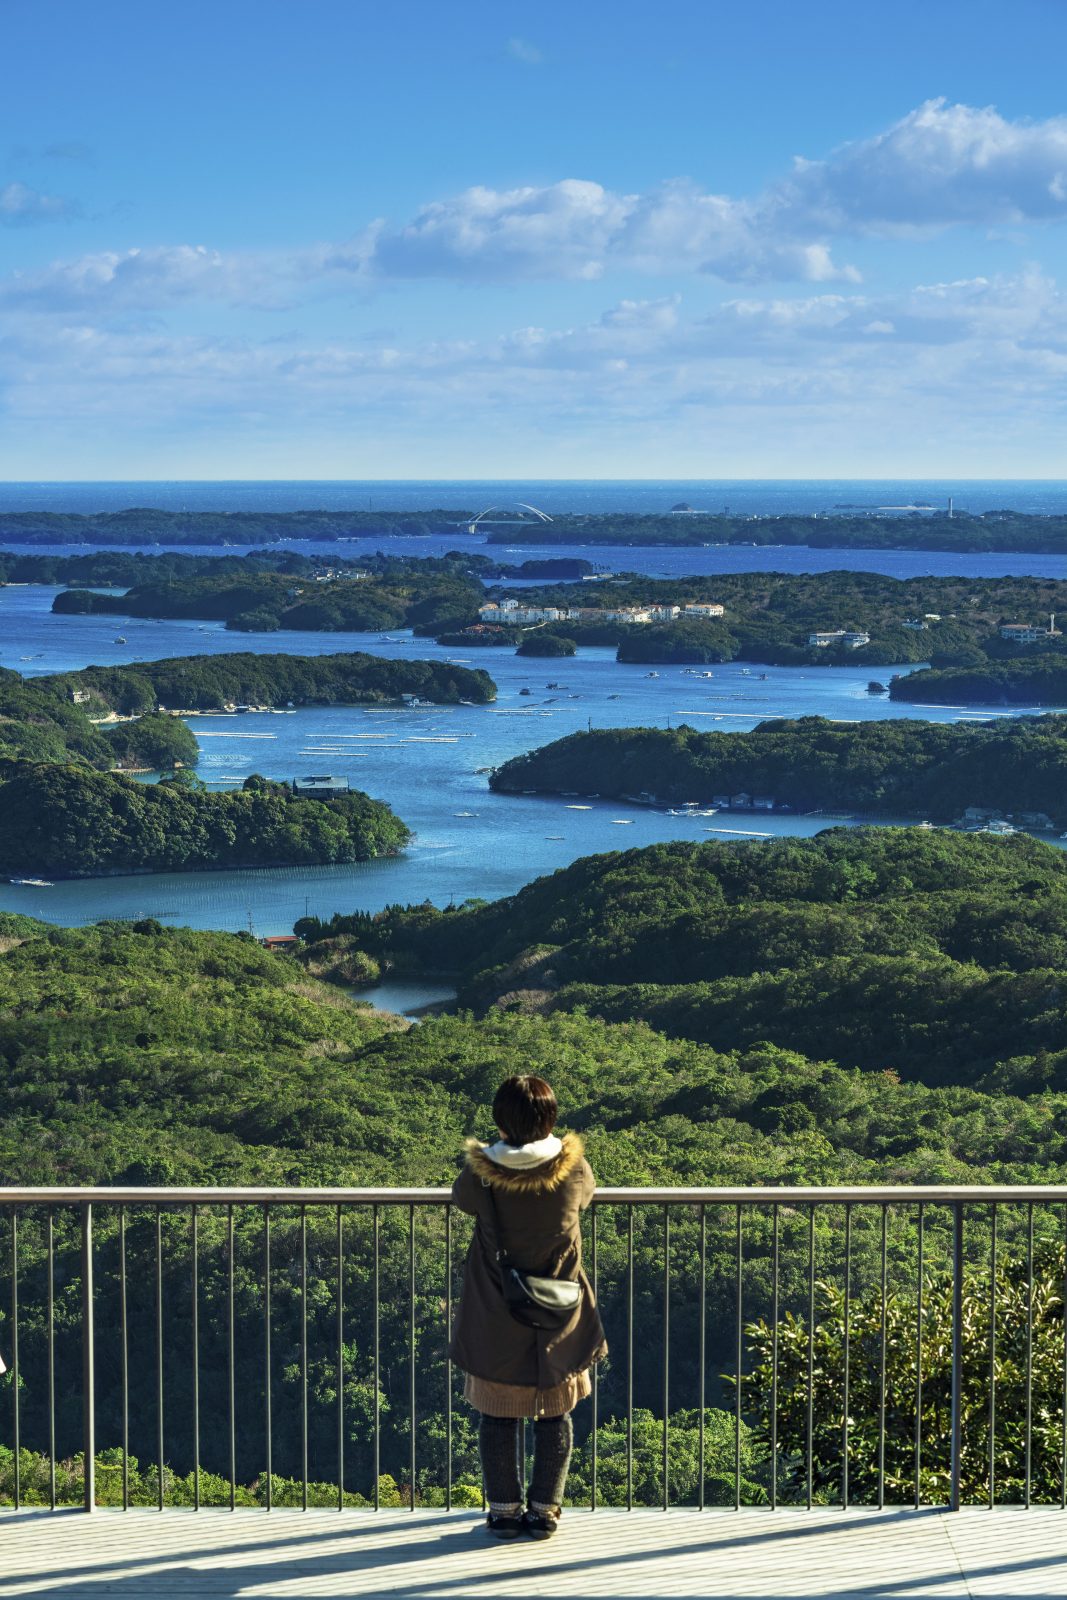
(768, 617)
(262, 602)
(206, 683)
(1040, 680)
(837, 527)
(65, 811)
(119, 568)
(69, 821)
(892, 768)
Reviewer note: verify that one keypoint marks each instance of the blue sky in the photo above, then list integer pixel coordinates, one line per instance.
(326, 239)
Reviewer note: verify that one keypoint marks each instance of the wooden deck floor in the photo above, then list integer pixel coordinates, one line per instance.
(757, 1555)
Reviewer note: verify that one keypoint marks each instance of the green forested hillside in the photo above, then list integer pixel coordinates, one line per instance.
(940, 957)
(139, 1055)
(892, 768)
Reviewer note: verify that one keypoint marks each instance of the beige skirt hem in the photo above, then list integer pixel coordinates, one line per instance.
(523, 1400)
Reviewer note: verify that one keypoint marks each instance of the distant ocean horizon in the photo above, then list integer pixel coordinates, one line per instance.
(739, 496)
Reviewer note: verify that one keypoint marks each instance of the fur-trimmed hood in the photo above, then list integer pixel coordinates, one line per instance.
(541, 1179)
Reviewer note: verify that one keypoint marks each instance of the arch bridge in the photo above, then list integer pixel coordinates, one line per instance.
(514, 511)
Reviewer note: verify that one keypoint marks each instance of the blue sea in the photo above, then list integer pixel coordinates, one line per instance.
(741, 496)
(432, 765)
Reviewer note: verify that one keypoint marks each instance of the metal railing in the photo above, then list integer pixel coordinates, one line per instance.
(935, 1373)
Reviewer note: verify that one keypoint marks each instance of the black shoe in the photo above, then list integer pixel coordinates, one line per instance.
(539, 1526)
(504, 1527)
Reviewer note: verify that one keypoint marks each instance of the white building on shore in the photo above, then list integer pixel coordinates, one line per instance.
(513, 614)
(841, 636)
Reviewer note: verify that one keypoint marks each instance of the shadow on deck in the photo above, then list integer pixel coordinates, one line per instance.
(747, 1555)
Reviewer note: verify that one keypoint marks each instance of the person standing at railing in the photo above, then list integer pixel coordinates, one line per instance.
(527, 1330)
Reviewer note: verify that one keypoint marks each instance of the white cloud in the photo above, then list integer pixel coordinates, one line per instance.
(948, 350)
(940, 165)
(19, 204)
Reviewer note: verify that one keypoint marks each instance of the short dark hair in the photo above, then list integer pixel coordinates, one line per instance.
(525, 1109)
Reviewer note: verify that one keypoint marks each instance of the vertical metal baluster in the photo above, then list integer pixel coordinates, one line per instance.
(1063, 1422)
(882, 1352)
(774, 1358)
(303, 1358)
(630, 1360)
(377, 1356)
(411, 1347)
(51, 1364)
(448, 1358)
(666, 1352)
(124, 1359)
(17, 1464)
(919, 1320)
(230, 1355)
(266, 1357)
(196, 1358)
(993, 1360)
(159, 1356)
(956, 1436)
(1029, 1349)
(340, 1365)
(809, 1423)
(738, 1362)
(595, 1397)
(88, 1360)
(701, 1345)
(846, 1421)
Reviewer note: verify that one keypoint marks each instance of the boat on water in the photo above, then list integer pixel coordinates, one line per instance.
(622, 822)
(466, 813)
(121, 639)
(651, 674)
(32, 883)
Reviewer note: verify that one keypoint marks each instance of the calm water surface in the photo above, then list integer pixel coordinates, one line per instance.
(425, 763)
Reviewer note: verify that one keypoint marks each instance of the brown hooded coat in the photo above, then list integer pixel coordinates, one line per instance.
(538, 1213)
